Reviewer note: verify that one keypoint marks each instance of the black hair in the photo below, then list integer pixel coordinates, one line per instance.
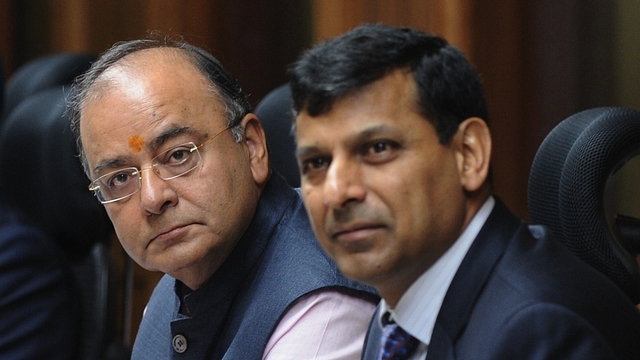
(449, 87)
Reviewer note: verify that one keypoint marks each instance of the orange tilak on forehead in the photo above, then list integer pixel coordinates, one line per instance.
(136, 143)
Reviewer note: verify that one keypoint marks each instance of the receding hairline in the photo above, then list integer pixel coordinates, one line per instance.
(137, 61)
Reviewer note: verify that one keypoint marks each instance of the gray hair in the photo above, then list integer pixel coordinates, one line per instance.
(222, 83)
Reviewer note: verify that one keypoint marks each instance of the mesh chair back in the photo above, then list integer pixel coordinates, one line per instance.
(566, 189)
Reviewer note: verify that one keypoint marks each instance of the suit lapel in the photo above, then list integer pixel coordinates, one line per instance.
(475, 269)
(374, 336)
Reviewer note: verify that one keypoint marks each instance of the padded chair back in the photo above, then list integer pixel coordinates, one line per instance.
(1, 86)
(41, 175)
(567, 188)
(275, 114)
(49, 71)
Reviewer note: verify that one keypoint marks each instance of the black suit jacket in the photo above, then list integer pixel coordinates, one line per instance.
(518, 294)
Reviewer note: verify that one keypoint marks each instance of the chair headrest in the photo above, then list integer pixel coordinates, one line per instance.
(567, 190)
(42, 73)
(275, 114)
(41, 174)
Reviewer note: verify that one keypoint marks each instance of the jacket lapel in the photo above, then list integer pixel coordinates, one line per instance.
(470, 279)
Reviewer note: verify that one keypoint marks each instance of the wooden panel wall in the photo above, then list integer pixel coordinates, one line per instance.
(333, 17)
(254, 39)
(7, 28)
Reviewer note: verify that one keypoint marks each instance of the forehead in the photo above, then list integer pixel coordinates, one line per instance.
(157, 70)
(145, 95)
(390, 102)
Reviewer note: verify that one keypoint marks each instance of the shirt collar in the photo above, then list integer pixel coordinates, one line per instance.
(419, 306)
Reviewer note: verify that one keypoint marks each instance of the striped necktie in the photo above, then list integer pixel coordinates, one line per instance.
(396, 344)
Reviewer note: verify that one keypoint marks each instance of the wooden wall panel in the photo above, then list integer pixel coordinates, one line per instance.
(7, 36)
(451, 19)
(72, 22)
(496, 45)
(194, 19)
(448, 18)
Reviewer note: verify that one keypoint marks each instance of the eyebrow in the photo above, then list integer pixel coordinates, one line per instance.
(119, 161)
(360, 137)
(169, 134)
(154, 145)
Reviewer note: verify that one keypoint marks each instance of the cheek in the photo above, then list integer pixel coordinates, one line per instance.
(413, 200)
(315, 210)
(312, 199)
(223, 198)
(118, 219)
(127, 232)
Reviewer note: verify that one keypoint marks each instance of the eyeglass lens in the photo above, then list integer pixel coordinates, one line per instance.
(168, 165)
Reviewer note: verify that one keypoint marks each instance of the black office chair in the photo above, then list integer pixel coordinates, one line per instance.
(41, 175)
(54, 70)
(275, 114)
(1, 86)
(569, 191)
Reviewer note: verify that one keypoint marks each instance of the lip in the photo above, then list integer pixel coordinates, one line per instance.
(355, 232)
(170, 235)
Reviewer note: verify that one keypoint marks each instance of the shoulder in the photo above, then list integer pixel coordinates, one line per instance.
(295, 255)
(163, 295)
(543, 293)
(549, 330)
(292, 243)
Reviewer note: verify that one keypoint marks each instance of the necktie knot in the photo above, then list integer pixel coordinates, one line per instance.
(397, 344)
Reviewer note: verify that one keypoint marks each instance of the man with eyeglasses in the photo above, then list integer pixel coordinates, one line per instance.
(180, 163)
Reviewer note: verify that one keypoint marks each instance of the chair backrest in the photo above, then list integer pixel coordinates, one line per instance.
(41, 175)
(568, 191)
(1, 86)
(54, 70)
(275, 114)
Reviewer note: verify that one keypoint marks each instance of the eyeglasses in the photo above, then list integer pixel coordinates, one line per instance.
(170, 164)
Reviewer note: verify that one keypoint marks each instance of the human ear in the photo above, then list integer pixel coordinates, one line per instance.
(255, 143)
(474, 152)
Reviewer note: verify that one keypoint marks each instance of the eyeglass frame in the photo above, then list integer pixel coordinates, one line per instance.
(95, 187)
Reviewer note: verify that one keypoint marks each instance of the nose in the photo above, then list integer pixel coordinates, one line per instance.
(156, 195)
(343, 184)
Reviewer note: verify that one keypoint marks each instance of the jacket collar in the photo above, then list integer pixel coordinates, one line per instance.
(476, 268)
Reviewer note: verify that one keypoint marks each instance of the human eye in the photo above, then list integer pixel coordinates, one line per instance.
(118, 179)
(380, 150)
(177, 155)
(314, 165)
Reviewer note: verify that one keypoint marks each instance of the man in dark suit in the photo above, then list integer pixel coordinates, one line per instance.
(394, 151)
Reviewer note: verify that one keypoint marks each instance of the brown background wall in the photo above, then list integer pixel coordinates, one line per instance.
(541, 61)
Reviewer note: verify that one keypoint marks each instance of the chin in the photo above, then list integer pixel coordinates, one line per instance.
(355, 268)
